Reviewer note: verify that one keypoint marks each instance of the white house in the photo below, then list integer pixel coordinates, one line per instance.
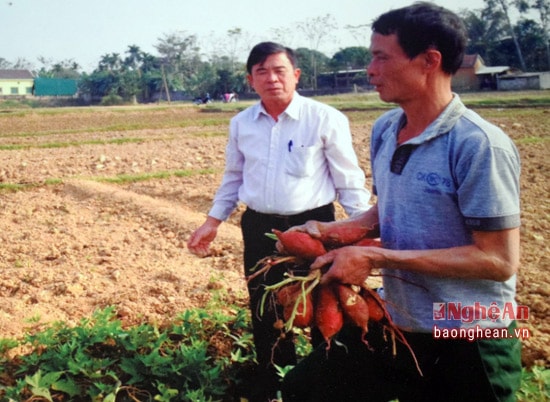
(16, 83)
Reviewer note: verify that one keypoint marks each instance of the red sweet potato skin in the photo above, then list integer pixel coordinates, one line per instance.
(288, 296)
(304, 313)
(300, 244)
(328, 313)
(368, 243)
(354, 306)
(343, 236)
(374, 303)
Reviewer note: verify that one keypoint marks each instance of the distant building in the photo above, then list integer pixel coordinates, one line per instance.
(16, 83)
(343, 80)
(489, 76)
(55, 87)
(465, 79)
(474, 75)
(524, 81)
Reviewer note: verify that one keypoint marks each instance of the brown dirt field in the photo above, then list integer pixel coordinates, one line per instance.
(84, 244)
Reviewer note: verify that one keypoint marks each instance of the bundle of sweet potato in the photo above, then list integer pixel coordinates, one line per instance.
(307, 302)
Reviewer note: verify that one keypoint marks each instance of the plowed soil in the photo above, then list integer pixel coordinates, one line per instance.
(96, 205)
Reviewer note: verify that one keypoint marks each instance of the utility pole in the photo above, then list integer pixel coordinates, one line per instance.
(164, 83)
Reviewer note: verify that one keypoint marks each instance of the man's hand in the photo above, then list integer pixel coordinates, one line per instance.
(313, 228)
(350, 265)
(199, 242)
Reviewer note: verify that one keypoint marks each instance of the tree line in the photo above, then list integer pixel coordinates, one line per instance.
(180, 66)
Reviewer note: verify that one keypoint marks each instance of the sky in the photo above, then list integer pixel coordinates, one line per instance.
(85, 30)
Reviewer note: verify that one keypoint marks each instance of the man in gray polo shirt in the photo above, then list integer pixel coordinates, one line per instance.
(447, 184)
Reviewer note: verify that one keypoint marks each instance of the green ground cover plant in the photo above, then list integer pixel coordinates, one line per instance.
(194, 358)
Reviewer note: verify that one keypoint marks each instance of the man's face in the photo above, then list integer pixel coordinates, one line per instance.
(394, 75)
(275, 79)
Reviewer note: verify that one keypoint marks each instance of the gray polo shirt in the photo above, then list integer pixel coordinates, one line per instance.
(461, 174)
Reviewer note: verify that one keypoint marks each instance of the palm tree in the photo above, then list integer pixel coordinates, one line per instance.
(504, 5)
(485, 30)
(543, 7)
(110, 62)
(134, 58)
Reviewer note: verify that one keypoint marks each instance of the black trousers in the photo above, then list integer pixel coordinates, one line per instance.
(454, 370)
(271, 348)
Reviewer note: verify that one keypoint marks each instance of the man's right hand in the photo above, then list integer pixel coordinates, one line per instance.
(313, 228)
(200, 239)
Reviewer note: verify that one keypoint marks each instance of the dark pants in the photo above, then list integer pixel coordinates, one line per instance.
(453, 370)
(271, 348)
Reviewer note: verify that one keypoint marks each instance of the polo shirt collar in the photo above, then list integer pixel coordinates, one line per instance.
(442, 124)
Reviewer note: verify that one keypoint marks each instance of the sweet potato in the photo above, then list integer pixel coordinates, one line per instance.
(300, 244)
(292, 298)
(288, 294)
(328, 313)
(354, 306)
(368, 243)
(304, 311)
(375, 305)
(343, 235)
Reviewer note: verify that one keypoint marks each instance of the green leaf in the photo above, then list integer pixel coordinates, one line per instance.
(68, 386)
(39, 380)
(43, 392)
(134, 368)
(110, 398)
(166, 393)
(40, 385)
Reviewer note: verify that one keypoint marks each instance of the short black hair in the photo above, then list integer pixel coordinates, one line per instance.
(263, 50)
(422, 26)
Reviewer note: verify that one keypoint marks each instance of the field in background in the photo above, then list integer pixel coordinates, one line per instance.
(97, 204)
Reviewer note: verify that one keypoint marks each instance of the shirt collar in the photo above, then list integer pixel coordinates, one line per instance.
(292, 110)
(442, 124)
(447, 119)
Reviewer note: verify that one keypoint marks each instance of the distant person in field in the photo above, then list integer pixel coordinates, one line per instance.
(288, 159)
(448, 211)
(229, 97)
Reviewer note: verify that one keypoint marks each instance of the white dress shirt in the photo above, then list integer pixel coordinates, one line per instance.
(300, 162)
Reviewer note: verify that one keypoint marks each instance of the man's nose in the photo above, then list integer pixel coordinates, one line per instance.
(272, 76)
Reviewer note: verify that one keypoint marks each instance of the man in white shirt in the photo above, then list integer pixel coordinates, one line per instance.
(288, 159)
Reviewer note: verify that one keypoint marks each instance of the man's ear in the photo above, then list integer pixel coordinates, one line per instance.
(250, 80)
(297, 73)
(432, 59)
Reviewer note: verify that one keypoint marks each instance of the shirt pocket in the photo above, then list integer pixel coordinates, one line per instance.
(300, 161)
